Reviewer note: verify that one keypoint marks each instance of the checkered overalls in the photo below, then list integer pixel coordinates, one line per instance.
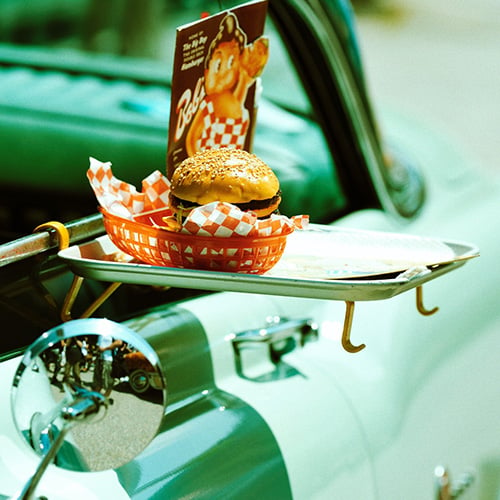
(222, 132)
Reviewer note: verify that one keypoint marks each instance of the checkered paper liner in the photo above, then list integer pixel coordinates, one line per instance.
(123, 199)
(217, 236)
(214, 219)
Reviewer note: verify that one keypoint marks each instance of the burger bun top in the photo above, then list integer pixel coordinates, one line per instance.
(229, 175)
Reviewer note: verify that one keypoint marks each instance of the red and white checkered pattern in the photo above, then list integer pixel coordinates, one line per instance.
(222, 132)
(214, 219)
(218, 219)
(156, 189)
(123, 199)
(226, 220)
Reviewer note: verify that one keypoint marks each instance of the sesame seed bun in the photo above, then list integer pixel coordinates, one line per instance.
(230, 175)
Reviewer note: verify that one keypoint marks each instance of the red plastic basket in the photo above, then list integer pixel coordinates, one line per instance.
(160, 247)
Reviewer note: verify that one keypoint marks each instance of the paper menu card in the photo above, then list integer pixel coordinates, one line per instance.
(217, 63)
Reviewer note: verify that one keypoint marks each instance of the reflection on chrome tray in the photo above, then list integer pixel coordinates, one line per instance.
(328, 253)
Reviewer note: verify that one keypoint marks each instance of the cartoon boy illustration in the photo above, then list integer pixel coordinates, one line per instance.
(231, 67)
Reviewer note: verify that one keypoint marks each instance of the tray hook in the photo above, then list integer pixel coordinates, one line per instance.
(420, 303)
(346, 333)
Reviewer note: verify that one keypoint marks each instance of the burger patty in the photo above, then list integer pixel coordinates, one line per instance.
(248, 206)
(258, 204)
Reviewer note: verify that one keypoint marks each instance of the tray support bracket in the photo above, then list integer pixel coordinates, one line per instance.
(63, 237)
(72, 294)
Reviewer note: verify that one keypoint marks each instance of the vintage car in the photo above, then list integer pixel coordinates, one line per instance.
(242, 386)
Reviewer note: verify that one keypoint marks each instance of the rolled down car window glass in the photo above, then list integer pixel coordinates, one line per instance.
(287, 136)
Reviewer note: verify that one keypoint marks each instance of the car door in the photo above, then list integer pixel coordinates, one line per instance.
(335, 424)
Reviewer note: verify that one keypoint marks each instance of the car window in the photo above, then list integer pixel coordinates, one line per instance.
(157, 40)
(136, 33)
(132, 29)
(71, 86)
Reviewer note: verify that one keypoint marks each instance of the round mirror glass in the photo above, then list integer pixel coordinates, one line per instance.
(98, 383)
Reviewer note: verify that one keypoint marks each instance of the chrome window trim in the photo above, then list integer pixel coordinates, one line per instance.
(318, 18)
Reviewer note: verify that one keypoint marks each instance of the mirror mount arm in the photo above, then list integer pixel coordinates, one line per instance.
(85, 406)
(30, 487)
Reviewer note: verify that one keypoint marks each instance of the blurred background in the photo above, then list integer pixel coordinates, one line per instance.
(435, 60)
(438, 61)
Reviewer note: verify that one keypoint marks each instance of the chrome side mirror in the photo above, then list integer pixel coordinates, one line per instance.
(78, 392)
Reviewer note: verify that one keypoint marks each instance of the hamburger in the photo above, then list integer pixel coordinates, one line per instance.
(228, 175)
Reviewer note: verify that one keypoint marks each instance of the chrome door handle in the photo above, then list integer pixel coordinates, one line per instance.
(278, 336)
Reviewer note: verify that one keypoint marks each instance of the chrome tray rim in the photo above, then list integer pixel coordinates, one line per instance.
(84, 260)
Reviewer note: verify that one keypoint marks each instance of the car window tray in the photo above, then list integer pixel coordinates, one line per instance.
(385, 274)
(322, 262)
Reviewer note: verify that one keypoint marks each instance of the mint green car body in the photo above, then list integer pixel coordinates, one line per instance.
(371, 425)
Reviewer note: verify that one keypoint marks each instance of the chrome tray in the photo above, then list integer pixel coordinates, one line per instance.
(322, 262)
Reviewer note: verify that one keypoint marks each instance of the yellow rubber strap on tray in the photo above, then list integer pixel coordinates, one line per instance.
(60, 229)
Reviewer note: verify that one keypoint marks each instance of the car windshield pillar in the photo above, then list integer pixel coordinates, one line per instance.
(322, 44)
